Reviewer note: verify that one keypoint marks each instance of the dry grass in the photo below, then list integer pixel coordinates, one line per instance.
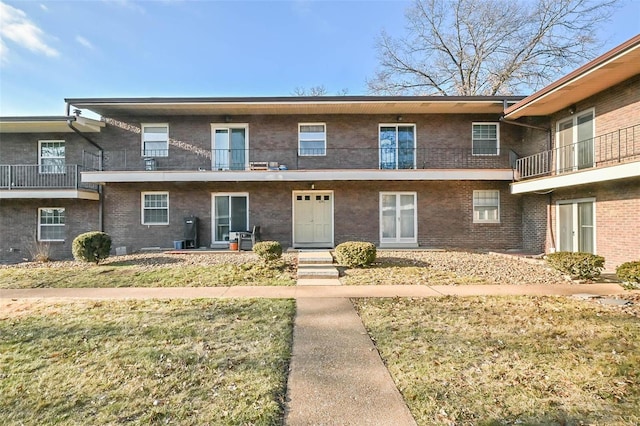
(145, 362)
(449, 268)
(153, 270)
(518, 360)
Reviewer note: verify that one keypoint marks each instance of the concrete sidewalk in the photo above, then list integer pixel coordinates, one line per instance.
(309, 291)
(336, 375)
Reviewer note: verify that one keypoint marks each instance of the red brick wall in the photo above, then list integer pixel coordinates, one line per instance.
(444, 212)
(19, 221)
(352, 140)
(617, 218)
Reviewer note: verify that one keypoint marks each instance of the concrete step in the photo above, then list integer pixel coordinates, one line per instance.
(314, 257)
(317, 271)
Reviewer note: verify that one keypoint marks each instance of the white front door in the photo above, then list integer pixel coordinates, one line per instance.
(576, 225)
(313, 219)
(398, 218)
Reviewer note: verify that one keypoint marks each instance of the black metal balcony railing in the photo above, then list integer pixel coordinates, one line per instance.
(322, 158)
(623, 145)
(35, 176)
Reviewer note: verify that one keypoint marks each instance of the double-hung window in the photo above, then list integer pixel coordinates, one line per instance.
(51, 224)
(155, 208)
(51, 157)
(486, 139)
(312, 139)
(155, 140)
(486, 206)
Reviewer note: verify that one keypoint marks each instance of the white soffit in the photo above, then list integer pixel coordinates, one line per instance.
(297, 175)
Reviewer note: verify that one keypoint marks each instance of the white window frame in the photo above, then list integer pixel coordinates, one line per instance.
(324, 147)
(397, 157)
(143, 208)
(484, 123)
(42, 167)
(574, 203)
(143, 151)
(213, 212)
(573, 119)
(229, 126)
(398, 239)
(474, 205)
(40, 224)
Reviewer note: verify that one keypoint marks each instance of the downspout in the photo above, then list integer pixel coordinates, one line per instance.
(70, 120)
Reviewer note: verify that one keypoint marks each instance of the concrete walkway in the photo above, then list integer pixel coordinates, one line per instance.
(316, 291)
(336, 375)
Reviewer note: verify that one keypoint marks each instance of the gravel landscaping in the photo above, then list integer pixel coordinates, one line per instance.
(450, 268)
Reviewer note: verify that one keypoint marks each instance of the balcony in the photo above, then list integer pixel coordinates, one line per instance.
(190, 164)
(38, 181)
(613, 148)
(180, 159)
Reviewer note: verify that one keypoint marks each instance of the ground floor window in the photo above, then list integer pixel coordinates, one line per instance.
(230, 214)
(155, 208)
(486, 206)
(576, 225)
(51, 224)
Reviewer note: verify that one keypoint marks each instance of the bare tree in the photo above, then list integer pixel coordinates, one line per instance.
(317, 91)
(488, 47)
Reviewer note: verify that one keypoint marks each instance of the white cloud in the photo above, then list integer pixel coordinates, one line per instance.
(44, 7)
(16, 27)
(83, 41)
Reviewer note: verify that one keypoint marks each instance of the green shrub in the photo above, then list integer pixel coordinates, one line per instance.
(577, 265)
(91, 246)
(268, 250)
(629, 273)
(356, 254)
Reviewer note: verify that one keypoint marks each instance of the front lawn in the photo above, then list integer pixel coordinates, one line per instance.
(152, 270)
(418, 267)
(516, 360)
(187, 362)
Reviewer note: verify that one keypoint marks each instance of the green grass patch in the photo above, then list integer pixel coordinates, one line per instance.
(516, 360)
(187, 362)
(136, 275)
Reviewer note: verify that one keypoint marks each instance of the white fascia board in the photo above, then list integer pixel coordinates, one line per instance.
(296, 175)
(604, 174)
(24, 194)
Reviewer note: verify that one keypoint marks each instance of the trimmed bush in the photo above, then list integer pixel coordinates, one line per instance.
(91, 247)
(629, 273)
(577, 265)
(356, 254)
(268, 250)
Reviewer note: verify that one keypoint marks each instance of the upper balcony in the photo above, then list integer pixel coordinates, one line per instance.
(179, 164)
(45, 181)
(606, 157)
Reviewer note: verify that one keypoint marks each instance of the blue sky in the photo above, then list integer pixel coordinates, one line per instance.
(124, 48)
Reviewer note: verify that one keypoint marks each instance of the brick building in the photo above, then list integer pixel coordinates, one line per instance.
(436, 172)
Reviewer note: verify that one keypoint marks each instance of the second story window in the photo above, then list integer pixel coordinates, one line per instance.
(312, 139)
(397, 146)
(486, 139)
(155, 140)
(51, 157)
